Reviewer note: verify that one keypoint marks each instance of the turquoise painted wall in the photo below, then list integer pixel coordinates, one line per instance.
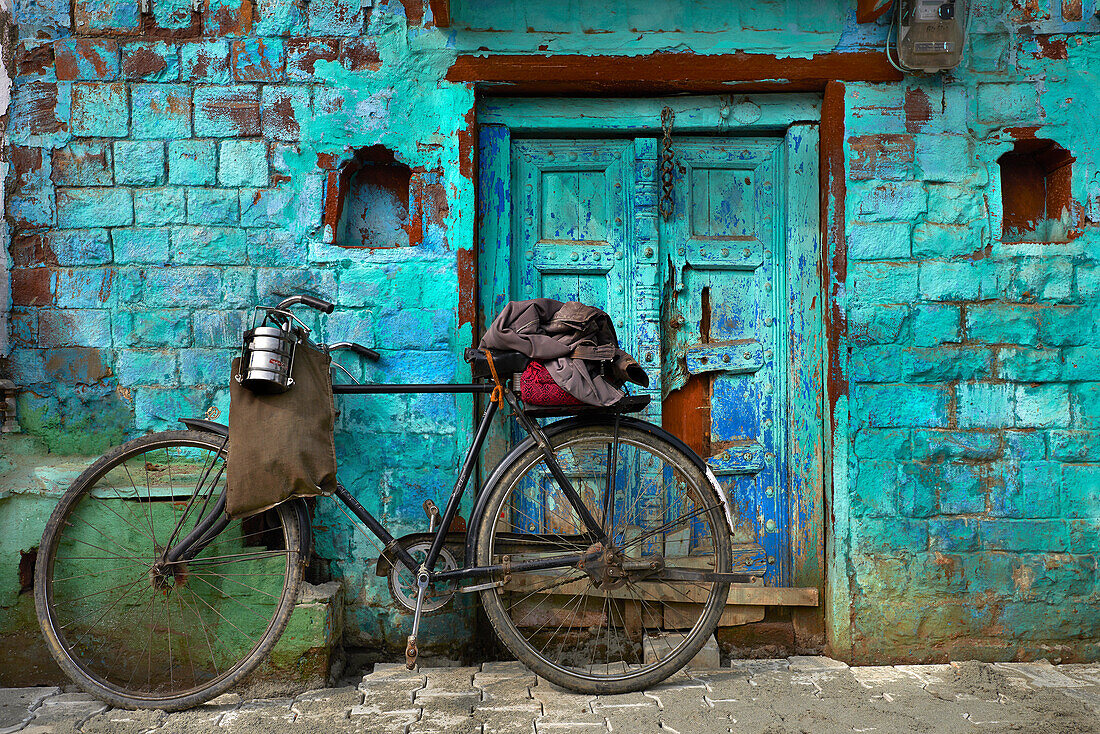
(162, 184)
(967, 493)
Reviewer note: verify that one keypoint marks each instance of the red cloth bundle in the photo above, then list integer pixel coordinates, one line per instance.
(537, 387)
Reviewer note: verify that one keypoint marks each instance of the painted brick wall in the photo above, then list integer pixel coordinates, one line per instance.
(7, 29)
(169, 175)
(969, 508)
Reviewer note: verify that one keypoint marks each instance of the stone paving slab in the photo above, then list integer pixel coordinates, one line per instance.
(791, 696)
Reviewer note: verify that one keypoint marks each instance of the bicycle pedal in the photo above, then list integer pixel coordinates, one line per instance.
(411, 653)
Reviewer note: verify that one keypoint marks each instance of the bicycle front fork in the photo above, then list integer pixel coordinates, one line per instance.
(201, 535)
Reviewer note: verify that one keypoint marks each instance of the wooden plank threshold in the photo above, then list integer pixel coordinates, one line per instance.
(791, 596)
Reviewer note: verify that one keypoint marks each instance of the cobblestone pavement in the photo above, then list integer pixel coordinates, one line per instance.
(799, 694)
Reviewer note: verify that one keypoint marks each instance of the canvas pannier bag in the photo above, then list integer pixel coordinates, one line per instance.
(282, 445)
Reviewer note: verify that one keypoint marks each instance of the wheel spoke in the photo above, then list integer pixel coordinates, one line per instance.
(187, 632)
(588, 625)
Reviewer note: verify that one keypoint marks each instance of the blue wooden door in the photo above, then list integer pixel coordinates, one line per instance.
(715, 300)
(722, 353)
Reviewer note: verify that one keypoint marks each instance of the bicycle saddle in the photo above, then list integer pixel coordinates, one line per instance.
(506, 363)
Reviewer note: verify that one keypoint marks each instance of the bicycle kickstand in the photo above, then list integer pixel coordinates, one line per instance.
(411, 650)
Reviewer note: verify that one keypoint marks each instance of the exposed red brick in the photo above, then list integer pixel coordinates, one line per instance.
(27, 164)
(227, 19)
(33, 60)
(833, 191)
(208, 64)
(1023, 133)
(38, 102)
(94, 51)
(467, 144)
(466, 263)
(252, 62)
(279, 122)
(414, 12)
(31, 287)
(81, 166)
(31, 250)
(80, 365)
(328, 161)
(1051, 48)
(918, 110)
(435, 195)
(441, 13)
(242, 108)
(360, 54)
(151, 28)
(142, 62)
(303, 53)
(334, 199)
(399, 179)
(872, 154)
(1027, 12)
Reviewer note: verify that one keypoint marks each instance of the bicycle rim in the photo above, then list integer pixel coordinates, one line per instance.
(137, 631)
(584, 628)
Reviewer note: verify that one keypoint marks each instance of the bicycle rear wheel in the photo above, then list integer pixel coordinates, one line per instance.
(139, 632)
(638, 608)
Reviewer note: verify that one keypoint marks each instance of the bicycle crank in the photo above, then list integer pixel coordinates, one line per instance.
(405, 590)
(411, 650)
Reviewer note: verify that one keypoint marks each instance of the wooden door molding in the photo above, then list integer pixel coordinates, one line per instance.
(666, 72)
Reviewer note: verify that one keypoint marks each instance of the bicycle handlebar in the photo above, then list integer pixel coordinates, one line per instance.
(358, 349)
(325, 307)
(316, 303)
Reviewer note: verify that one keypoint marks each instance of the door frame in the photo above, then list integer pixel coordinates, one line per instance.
(498, 118)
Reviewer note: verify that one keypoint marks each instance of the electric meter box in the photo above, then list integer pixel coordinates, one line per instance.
(931, 34)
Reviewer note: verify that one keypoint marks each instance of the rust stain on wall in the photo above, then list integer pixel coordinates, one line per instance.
(466, 264)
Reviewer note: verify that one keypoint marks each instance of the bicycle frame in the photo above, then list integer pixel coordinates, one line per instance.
(459, 489)
(214, 521)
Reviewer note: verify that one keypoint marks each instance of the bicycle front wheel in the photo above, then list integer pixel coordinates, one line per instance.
(141, 632)
(642, 603)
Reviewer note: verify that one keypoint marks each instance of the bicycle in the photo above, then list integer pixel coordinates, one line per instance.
(599, 546)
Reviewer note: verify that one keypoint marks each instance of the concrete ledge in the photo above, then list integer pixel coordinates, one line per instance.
(302, 658)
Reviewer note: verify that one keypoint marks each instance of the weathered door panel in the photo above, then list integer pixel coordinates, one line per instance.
(570, 225)
(805, 387)
(721, 239)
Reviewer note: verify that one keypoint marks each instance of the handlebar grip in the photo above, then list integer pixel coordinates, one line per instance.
(317, 303)
(365, 352)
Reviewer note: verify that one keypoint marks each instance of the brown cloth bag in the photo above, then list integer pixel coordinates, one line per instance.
(281, 446)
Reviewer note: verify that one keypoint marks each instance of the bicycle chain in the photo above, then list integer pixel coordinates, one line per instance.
(666, 204)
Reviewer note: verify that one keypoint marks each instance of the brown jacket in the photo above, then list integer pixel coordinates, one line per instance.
(577, 343)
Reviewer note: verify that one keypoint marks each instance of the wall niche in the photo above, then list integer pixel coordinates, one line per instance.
(371, 202)
(1035, 192)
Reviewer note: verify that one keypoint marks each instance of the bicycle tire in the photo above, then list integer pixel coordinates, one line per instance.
(140, 635)
(638, 648)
